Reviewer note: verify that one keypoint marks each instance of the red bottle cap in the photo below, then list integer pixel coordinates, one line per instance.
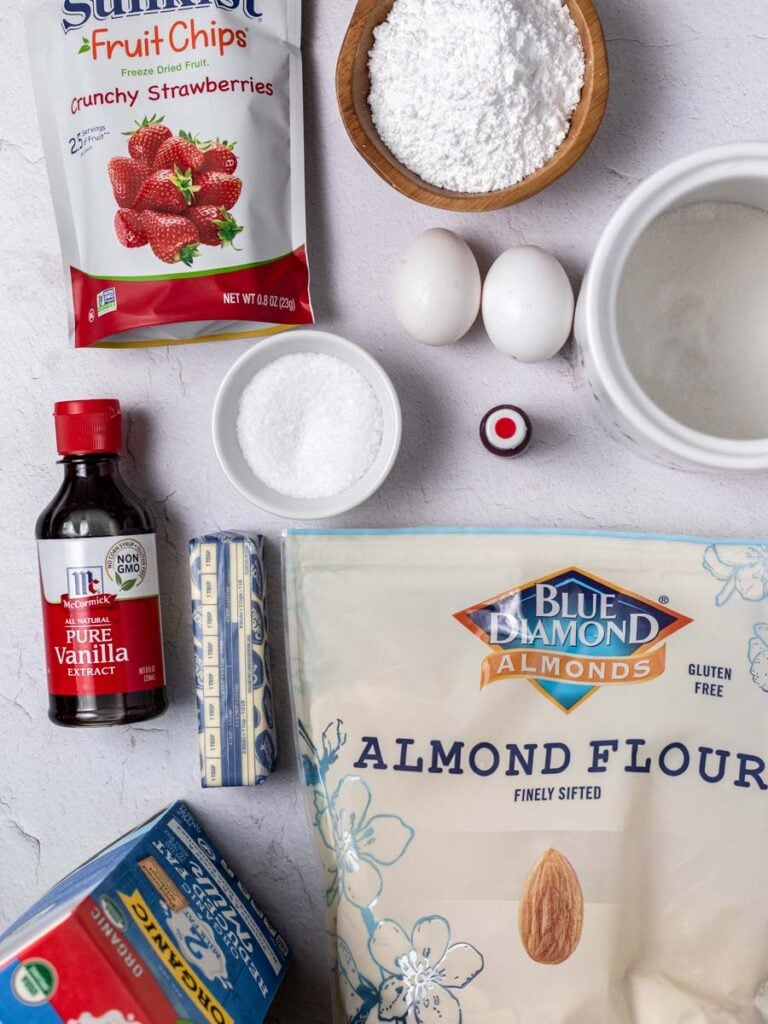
(88, 427)
(506, 431)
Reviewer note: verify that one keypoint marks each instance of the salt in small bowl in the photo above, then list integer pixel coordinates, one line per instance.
(227, 406)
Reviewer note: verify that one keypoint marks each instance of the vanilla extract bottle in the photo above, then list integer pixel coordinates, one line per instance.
(99, 580)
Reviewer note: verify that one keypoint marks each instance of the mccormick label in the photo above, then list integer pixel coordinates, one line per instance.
(156, 929)
(101, 615)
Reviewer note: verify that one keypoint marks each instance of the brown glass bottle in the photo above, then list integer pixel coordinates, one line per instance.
(98, 570)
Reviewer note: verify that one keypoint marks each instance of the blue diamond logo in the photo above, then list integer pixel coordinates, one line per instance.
(571, 633)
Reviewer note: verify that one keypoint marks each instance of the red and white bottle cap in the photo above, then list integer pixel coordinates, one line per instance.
(506, 430)
(89, 426)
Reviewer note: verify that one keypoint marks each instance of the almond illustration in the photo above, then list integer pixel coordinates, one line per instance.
(551, 910)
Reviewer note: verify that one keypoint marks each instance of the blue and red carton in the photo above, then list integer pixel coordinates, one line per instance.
(156, 929)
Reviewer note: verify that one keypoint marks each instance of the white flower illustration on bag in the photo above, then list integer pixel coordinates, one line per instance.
(424, 970)
(758, 656)
(415, 978)
(361, 843)
(742, 568)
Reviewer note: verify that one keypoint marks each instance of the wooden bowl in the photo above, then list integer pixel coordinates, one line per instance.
(353, 87)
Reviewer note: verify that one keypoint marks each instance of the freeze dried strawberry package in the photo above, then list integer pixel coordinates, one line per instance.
(173, 135)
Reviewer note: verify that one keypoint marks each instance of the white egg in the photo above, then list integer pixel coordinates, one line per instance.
(437, 288)
(528, 304)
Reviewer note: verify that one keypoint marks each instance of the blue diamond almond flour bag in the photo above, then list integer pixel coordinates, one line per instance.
(536, 772)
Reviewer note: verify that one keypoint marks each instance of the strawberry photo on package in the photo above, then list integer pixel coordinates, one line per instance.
(173, 137)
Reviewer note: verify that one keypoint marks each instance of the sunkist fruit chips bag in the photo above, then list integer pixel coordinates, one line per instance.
(173, 135)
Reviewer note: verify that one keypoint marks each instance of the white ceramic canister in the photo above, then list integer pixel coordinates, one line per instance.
(734, 173)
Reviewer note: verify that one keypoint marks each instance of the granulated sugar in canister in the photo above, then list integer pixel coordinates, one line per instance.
(475, 95)
(309, 425)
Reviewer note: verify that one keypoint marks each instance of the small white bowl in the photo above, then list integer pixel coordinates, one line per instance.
(227, 405)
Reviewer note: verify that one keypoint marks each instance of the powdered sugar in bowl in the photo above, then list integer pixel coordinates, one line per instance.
(415, 76)
(307, 425)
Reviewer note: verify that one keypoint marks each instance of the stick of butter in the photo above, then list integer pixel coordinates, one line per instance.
(238, 745)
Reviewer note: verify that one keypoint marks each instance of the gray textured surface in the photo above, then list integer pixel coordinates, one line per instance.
(684, 75)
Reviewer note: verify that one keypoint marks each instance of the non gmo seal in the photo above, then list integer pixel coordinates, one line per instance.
(126, 564)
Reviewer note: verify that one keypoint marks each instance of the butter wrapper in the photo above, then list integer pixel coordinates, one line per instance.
(238, 744)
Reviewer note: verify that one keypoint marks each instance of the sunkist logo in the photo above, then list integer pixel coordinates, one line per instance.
(571, 633)
(78, 13)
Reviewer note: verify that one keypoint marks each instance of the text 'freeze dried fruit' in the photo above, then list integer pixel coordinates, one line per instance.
(174, 144)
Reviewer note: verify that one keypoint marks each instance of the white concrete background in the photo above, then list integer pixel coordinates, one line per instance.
(685, 74)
